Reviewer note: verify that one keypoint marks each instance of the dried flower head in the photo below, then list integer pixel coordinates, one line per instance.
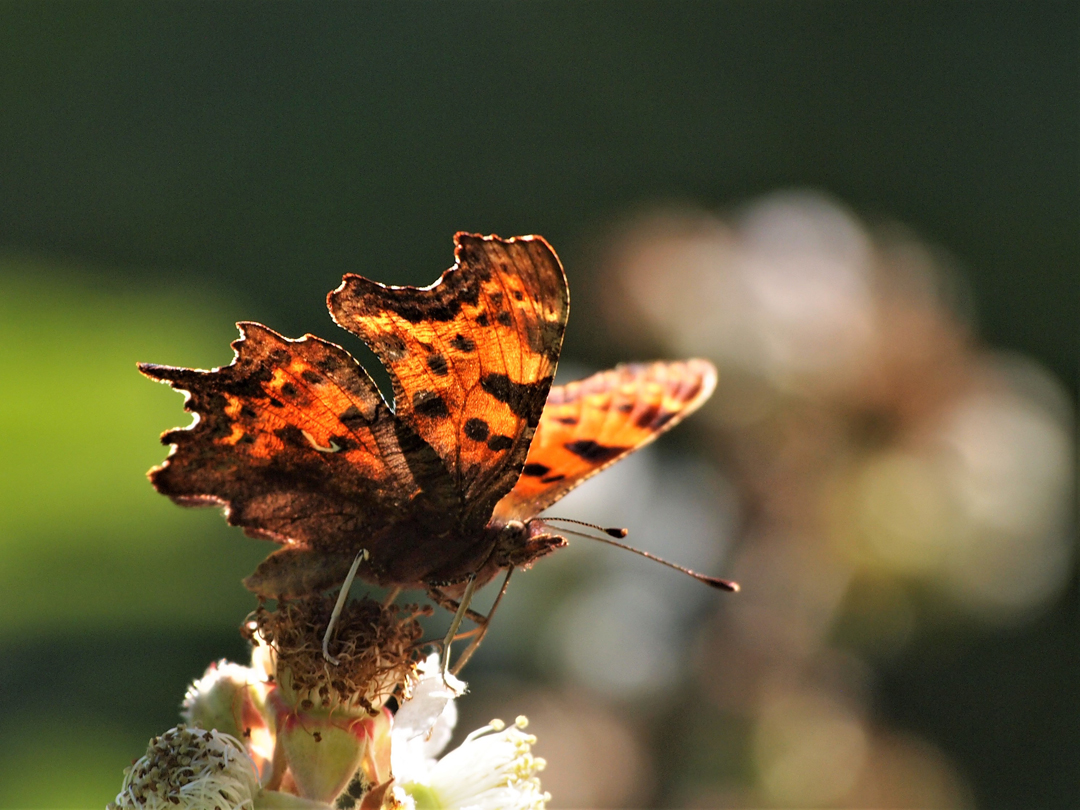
(375, 650)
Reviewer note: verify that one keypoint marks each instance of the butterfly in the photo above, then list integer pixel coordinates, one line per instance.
(443, 490)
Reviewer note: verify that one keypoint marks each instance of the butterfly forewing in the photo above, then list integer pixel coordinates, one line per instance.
(471, 357)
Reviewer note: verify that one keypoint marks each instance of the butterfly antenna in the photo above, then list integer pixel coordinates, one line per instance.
(714, 582)
(610, 532)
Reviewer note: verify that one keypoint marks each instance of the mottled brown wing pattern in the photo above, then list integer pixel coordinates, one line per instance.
(295, 440)
(590, 424)
(471, 357)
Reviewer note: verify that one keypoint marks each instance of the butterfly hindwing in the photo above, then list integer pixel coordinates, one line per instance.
(471, 357)
(590, 424)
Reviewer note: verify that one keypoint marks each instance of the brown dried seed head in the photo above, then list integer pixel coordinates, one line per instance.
(374, 645)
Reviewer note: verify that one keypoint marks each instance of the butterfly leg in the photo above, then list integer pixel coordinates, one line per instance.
(343, 596)
(483, 628)
(444, 601)
(463, 607)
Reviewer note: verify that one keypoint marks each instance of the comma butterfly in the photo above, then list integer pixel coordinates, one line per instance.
(443, 490)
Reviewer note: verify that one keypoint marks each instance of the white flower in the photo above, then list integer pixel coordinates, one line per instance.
(190, 768)
(494, 768)
(425, 722)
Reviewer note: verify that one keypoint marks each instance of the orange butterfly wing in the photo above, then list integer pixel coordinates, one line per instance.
(294, 438)
(590, 424)
(471, 357)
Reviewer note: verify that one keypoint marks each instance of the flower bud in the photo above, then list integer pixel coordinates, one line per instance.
(231, 698)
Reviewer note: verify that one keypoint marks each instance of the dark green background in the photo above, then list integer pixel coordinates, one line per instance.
(262, 149)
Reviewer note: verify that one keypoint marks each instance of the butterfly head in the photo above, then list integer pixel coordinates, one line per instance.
(521, 543)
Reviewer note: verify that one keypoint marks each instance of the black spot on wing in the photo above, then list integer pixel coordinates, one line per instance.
(504, 318)
(477, 430)
(535, 470)
(328, 363)
(311, 377)
(594, 452)
(498, 443)
(417, 311)
(463, 344)
(430, 404)
(249, 387)
(551, 479)
(647, 416)
(437, 364)
(663, 419)
(289, 390)
(526, 400)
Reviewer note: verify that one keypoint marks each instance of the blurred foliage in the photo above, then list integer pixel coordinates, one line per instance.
(302, 142)
(100, 573)
(86, 540)
(28, 769)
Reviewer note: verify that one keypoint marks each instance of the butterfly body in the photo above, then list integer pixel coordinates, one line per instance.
(295, 440)
(407, 556)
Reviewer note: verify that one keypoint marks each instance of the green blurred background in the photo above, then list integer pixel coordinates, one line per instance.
(169, 169)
